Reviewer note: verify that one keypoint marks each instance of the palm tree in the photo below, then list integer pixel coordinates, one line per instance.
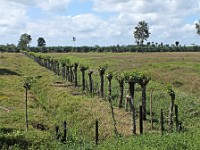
(141, 32)
(120, 78)
(41, 42)
(143, 80)
(177, 43)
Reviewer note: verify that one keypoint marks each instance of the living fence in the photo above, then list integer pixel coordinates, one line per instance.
(126, 98)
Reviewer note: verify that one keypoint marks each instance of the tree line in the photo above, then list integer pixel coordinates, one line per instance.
(114, 48)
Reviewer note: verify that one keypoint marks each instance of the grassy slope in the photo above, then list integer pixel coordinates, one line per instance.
(50, 104)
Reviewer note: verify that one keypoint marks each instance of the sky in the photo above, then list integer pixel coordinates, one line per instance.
(98, 22)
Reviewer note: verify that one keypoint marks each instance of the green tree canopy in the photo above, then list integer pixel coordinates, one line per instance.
(41, 42)
(141, 32)
(24, 41)
(197, 26)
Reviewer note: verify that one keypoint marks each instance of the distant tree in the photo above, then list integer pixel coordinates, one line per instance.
(177, 43)
(74, 40)
(141, 32)
(41, 42)
(25, 40)
(197, 26)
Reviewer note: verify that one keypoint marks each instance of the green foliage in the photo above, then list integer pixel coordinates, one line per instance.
(119, 76)
(102, 68)
(109, 75)
(64, 61)
(28, 82)
(24, 41)
(197, 26)
(141, 32)
(83, 67)
(170, 91)
(143, 78)
(41, 42)
(131, 76)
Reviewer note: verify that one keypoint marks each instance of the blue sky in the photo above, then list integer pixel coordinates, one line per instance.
(98, 22)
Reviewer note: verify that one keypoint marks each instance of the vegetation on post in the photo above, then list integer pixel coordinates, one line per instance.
(28, 83)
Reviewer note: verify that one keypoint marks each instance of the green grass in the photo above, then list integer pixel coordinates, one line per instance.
(49, 104)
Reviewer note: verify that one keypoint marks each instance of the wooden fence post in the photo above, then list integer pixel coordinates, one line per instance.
(26, 109)
(57, 133)
(64, 131)
(132, 108)
(141, 120)
(151, 113)
(96, 132)
(127, 102)
(161, 121)
(176, 117)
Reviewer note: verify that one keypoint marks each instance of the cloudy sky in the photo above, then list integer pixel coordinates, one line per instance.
(98, 22)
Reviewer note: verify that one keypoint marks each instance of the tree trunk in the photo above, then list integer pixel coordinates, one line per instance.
(144, 101)
(63, 71)
(109, 89)
(151, 112)
(170, 121)
(102, 86)
(121, 85)
(71, 73)
(58, 68)
(132, 108)
(67, 73)
(75, 74)
(90, 80)
(83, 80)
(131, 89)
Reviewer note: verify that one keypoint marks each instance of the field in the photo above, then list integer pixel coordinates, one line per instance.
(53, 100)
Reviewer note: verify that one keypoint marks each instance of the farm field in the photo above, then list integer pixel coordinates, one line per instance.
(53, 100)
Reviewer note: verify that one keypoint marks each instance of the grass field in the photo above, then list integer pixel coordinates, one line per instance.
(49, 103)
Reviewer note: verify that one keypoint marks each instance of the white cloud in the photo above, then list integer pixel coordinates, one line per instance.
(53, 5)
(12, 20)
(166, 19)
